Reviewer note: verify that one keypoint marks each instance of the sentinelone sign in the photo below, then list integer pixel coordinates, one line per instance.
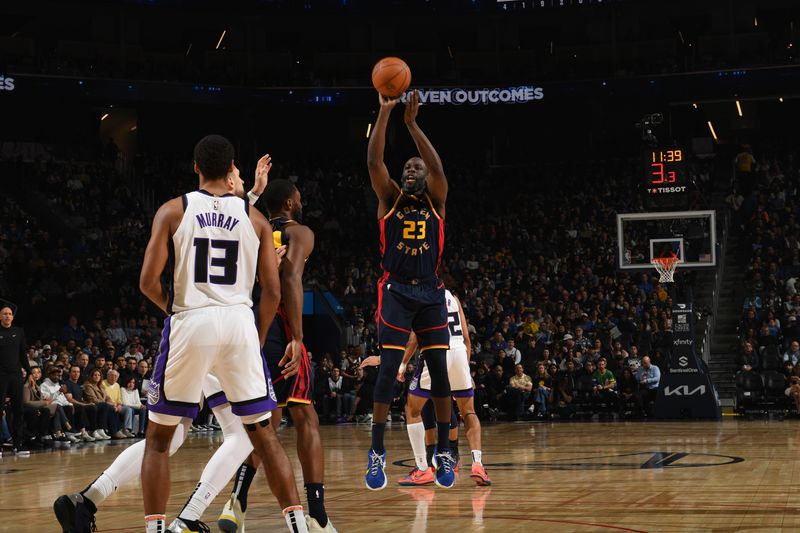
(509, 95)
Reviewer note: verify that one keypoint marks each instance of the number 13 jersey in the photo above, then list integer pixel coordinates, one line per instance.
(213, 254)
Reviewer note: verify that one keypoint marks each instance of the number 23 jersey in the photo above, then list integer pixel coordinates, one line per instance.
(213, 254)
(412, 239)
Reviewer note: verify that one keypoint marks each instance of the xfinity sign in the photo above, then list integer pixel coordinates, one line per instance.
(488, 96)
(683, 390)
(6, 83)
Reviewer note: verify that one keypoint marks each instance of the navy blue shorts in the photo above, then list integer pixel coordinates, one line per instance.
(403, 307)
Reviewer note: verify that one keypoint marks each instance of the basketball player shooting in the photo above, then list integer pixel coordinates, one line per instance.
(218, 246)
(410, 294)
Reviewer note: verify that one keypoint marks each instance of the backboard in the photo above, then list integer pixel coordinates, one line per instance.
(689, 235)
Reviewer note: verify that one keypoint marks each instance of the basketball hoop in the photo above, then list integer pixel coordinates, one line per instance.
(666, 267)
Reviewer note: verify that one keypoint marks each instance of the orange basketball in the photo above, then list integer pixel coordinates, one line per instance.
(391, 76)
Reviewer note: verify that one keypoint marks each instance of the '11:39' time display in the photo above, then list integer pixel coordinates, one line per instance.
(664, 169)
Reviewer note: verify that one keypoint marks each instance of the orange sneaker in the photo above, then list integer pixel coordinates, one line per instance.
(479, 475)
(417, 477)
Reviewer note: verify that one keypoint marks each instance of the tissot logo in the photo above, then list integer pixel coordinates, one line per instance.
(6, 83)
(683, 390)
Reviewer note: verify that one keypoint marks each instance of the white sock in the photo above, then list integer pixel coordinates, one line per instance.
(416, 435)
(295, 519)
(125, 469)
(155, 523)
(222, 466)
(476, 456)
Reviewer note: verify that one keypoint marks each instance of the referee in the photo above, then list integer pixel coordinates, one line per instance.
(12, 360)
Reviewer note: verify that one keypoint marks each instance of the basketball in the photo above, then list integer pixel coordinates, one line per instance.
(391, 76)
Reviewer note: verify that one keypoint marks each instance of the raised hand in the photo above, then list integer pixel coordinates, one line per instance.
(412, 107)
(386, 102)
(262, 174)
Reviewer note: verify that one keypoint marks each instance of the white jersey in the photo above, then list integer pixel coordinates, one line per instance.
(215, 253)
(454, 322)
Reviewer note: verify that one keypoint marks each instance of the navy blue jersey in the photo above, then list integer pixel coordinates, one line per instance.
(279, 237)
(412, 239)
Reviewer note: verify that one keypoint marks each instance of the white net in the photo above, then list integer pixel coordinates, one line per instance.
(666, 268)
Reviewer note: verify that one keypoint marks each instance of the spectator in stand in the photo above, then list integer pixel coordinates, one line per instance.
(72, 331)
(132, 400)
(13, 360)
(496, 385)
(793, 353)
(748, 356)
(628, 387)
(74, 394)
(114, 392)
(542, 387)
(518, 391)
(633, 360)
(564, 388)
(116, 334)
(512, 352)
(52, 389)
(143, 375)
(93, 392)
(129, 371)
(649, 376)
(793, 392)
(498, 343)
(56, 418)
(82, 362)
(605, 383)
(338, 403)
(618, 355)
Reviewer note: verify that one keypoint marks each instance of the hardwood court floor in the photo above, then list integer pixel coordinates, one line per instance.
(700, 476)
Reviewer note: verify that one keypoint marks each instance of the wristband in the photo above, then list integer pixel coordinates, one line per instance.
(253, 197)
(402, 369)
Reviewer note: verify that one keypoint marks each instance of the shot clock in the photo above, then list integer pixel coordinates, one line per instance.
(664, 178)
(665, 170)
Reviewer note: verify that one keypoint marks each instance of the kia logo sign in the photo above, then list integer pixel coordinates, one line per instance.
(6, 83)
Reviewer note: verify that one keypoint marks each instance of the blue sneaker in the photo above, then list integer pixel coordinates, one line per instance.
(444, 464)
(376, 477)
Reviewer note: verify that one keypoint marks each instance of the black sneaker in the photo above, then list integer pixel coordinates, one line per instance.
(73, 514)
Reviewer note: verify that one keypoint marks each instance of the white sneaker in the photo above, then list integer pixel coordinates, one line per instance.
(104, 435)
(313, 525)
(84, 435)
(72, 438)
(231, 520)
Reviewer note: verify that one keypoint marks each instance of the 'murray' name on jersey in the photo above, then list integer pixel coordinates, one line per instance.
(218, 220)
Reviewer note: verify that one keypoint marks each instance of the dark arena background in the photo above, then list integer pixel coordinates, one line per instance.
(622, 192)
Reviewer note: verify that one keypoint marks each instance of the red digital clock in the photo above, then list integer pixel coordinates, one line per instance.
(664, 170)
